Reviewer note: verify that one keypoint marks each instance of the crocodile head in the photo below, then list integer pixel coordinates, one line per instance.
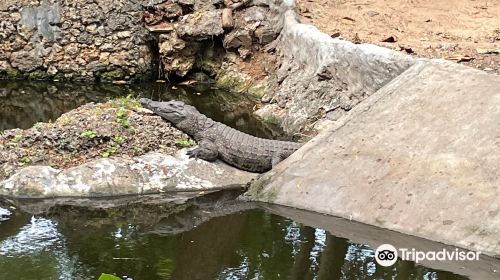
(173, 111)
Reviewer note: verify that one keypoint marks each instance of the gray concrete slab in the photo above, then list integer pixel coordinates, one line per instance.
(420, 156)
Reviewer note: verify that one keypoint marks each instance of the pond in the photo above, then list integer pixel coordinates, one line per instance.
(248, 244)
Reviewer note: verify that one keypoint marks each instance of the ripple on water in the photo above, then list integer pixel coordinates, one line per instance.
(4, 214)
(34, 237)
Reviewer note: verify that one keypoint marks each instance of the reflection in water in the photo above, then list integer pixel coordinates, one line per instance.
(24, 103)
(36, 252)
(34, 237)
(246, 245)
(4, 214)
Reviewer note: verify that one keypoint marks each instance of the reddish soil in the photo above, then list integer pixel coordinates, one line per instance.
(464, 31)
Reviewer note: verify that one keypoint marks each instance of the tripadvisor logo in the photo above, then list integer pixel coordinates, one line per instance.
(387, 255)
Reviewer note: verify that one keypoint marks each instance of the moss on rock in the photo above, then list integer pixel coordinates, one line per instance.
(39, 75)
(11, 73)
(112, 75)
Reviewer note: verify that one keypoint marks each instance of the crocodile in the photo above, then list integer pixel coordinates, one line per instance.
(217, 140)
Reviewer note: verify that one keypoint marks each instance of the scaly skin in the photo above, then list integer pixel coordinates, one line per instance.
(217, 140)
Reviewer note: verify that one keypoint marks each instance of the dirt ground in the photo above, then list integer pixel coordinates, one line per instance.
(120, 127)
(465, 31)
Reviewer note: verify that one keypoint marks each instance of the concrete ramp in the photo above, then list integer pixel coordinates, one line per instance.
(420, 156)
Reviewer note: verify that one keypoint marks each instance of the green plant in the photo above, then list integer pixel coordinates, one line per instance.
(25, 160)
(109, 151)
(121, 113)
(118, 139)
(89, 133)
(128, 102)
(37, 125)
(184, 143)
(124, 122)
(18, 138)
(105, 276)
(121, 117)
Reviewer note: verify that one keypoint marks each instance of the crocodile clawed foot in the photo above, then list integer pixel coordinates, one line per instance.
(193, 153)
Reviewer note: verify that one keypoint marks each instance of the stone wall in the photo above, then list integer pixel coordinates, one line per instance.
(107, 40)
(303, 74)
(73, 40)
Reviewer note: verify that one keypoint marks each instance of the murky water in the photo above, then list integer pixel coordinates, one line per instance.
(24, 103)
(252, 244)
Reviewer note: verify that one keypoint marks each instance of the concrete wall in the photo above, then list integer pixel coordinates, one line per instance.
(420, 156)
(321, 77)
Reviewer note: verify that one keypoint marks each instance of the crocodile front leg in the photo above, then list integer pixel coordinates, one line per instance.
(206, 150)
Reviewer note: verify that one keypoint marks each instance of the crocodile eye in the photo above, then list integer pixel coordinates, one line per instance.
(178, 104)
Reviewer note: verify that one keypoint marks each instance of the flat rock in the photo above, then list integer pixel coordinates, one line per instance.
(200, 25)
(148, 174)
(421, 156)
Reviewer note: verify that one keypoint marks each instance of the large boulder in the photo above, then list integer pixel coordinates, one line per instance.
(148, 174)
(420, 156)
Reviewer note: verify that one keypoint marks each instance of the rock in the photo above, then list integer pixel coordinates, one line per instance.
(152, 18)
(124, 34)
(227, 19)
(29, 29)
(6, 29)
(26, 61)
(265, 35)
(413, 157)
(95, 66)
(177, 55)
(170, 10)
(121, 58)
(251, 16)
(164, 27)
(148, 174)
(4, 65)
(200, 25)
(186, 2)
(238, 38)
(52, 70)
(237, 4)
(244, 52)
(104, 57)
(42, 20)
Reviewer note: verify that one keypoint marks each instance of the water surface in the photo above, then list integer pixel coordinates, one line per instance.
(251, 244)
(24, 103)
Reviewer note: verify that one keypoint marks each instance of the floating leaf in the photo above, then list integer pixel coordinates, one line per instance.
(105, 276)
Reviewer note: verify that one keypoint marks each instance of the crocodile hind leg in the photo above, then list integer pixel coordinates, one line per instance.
(277, 158)
(206, 150)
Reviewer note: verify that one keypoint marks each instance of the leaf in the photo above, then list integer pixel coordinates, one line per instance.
(184, 143)
(459, 58)
(488, 51)
(105, 276)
